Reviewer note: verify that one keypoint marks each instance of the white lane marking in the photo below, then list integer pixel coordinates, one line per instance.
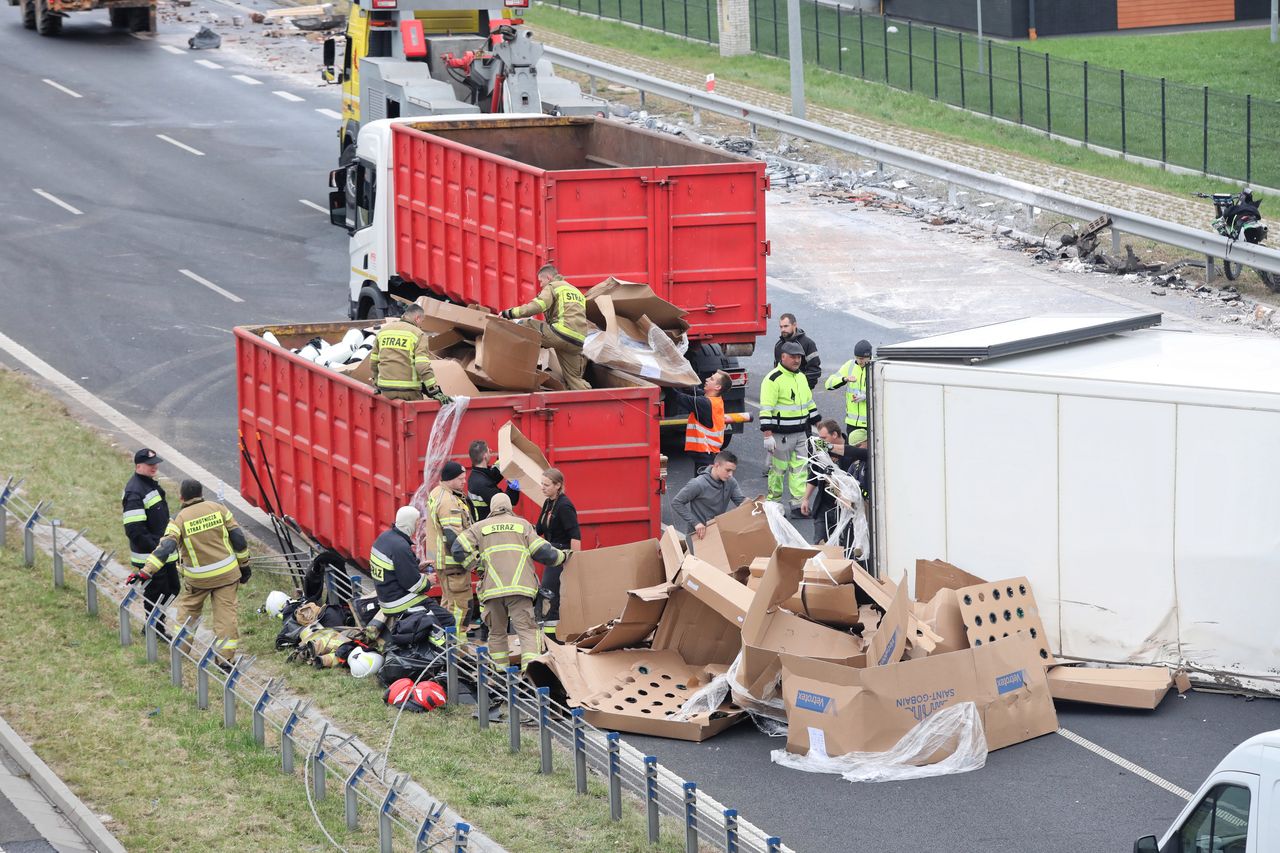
(62, 88)
(329, 113)
(208, 63)
(310, 203)
(245, 78)
(288, 96)
(184, 147)
(48, 196)
(204, 281)
(31, 361)
(1125, 763)
(171, 49)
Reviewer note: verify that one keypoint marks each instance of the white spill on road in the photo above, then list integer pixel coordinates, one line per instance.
(183, 146)
(63, 89)
(48, 196)
(206, 283)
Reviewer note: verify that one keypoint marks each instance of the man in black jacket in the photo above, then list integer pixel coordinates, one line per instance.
(811, 365)
(482, 482)
(146, 515)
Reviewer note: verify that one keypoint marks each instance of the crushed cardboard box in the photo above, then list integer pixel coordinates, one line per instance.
(631, 301)
(595, 584)
(521, 459)
(638, 348)
(1129, 687)
(738, 537)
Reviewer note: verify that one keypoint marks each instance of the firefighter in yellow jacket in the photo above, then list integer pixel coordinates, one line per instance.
(400, 361)
(566, 326)
(213, 558)
(449, 513)
(505, 546)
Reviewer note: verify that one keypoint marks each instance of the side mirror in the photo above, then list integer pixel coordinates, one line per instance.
(338, 208)
(329, 54)
(1146, 844)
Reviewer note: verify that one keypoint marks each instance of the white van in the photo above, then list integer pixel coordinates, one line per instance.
(1237, 809)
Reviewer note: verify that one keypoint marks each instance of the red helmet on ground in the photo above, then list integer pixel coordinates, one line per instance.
(420, 697)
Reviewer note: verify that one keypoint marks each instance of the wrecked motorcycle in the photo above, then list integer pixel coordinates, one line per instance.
(1237, 217)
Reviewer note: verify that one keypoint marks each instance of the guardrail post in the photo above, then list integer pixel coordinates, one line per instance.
(229, 698)
(451, 665)
(385, 827)
(731, 822)
(202, 678)
(58, 581)
(1209, 272)
(773, 844)
(149, 630)
(357, 585)
(461, 832)
(579, 752)
(482, 686)
(513, 710)
(126, 624)
(91, 584)
(286, 737)
(259, 713)
(175, 651)
(651, 795)
(9, 488)
(29, 536)
(615, 776)
(349, 792)
(316, 761)
(544, 728)
(1116, 238)
(434, 813)
(691, 817)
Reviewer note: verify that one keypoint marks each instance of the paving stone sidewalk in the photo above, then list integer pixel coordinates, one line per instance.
(1125, 196)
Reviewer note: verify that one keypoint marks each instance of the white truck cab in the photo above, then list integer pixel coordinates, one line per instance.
(1236, 810)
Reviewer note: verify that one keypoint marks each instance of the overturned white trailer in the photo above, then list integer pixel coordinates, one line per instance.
(1133, 476)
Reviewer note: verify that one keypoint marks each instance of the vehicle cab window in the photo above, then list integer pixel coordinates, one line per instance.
(1219, 824)
(361, 192)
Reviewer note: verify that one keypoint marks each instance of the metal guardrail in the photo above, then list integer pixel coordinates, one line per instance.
(706, 823)
(1193, 240)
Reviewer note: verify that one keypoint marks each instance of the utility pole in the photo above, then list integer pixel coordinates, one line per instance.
(1275, 21)
(982, 59)
(795, 53)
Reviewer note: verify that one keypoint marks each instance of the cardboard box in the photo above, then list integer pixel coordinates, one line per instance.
(445, 316)
(453, 379)
(768, 632)
(889, 642)
(822, 570)
(993, 612)
(521, 459)
(507, 353)
(719, 591)
(1130, 687)
(933, 575)
(627, 346)
(882, 592)
(839, 709)
(632, 301)
(738, 537)
(595, 584)
(639, 618)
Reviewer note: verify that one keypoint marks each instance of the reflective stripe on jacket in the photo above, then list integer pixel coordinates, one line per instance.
(786, 402)
(505, 547)
(209, 540)
(400, 359)
(448, 514)
(702, 439)
(145, 518)
(853, 377)
(565, 308)
(394, 569)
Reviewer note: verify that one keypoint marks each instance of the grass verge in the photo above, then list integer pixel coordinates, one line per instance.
(920, 112)
(160, 774)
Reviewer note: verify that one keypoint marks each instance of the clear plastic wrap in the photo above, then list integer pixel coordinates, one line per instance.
(958, 728)
(444, 431)
(783, 530)
(850, 508)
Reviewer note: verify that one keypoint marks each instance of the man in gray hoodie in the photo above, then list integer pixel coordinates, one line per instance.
(711, 493)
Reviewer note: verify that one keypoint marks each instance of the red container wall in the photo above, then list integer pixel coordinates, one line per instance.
(475, 227)
(344, 459)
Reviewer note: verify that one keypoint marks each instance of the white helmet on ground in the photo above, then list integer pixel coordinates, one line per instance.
(364, 663)
(276, 601)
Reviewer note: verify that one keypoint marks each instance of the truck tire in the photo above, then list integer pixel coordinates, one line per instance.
(373, 304)
(29, 14)
(48, 23)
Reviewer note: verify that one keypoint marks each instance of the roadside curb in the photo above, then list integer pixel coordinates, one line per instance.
(71, 806)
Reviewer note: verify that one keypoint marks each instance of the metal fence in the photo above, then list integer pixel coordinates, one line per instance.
(333, 761)
(1194, 127)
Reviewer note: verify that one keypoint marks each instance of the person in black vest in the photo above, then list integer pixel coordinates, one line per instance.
(146, 515)
(484, 479)
(558, 524)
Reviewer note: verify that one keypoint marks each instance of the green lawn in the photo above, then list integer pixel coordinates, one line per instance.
(1018, 82)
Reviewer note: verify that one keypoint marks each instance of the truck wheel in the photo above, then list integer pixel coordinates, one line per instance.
(48, 23)
(1270, 279)
(29, 14)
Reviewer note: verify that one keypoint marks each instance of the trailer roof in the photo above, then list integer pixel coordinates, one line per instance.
(1159, 357)
(1011, 337)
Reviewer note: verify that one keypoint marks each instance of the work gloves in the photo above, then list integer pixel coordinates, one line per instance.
(770, 443)
(138, 576)
(246, 572)
(505, 314)
(513, 485)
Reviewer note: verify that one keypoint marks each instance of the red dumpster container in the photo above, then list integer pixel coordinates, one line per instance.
(344, 458)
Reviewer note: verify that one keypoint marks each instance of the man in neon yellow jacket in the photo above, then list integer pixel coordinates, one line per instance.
(852, 376)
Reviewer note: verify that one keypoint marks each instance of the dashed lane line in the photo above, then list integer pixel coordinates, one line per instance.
(48, 196)
(329, 113)
(62, 88)
(182, 145)
(312, 204)
(201, 280)
(208, 63)
(1140, 772)
(245, 78)
(171, 49)
(288, 96)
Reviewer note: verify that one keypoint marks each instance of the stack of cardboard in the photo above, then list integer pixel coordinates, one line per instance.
(851, 662)
(641, 337)
(493, 354)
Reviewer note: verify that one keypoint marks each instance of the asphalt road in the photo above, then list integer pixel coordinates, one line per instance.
(102, 296)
